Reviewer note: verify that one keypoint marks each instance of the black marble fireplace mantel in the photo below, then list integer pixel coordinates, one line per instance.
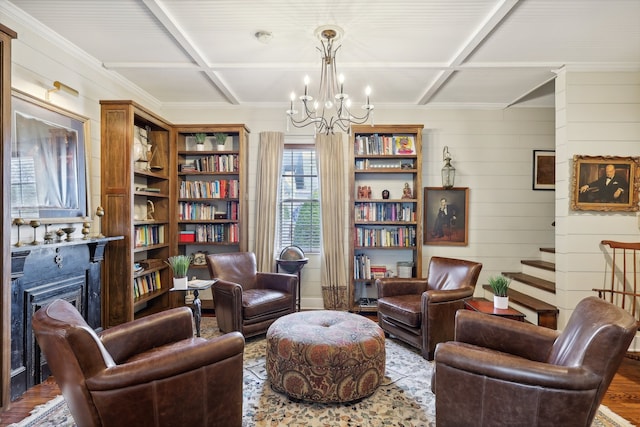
(70, 270)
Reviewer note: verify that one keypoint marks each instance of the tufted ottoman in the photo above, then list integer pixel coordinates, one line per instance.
(325, 356)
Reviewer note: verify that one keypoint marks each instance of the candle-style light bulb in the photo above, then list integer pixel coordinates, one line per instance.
(341, 80)
(306, 84)
(367, 92)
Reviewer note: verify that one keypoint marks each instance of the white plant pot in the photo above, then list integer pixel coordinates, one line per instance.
(180, 283)
(220, 147)
(199, 147)
(501, 302)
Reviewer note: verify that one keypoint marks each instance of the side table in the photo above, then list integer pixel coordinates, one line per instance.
(196, 286)
(485, 306)
(293, 266)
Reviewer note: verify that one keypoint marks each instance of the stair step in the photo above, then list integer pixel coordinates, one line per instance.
(547, 313)
(544, 265)
(536, 282)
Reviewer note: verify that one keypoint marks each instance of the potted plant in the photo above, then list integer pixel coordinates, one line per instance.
(200, 137)
(179, 264)
(221, 140)
(500, 286)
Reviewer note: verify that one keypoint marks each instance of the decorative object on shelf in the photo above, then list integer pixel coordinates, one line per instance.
(200, 137)
(500, 285)
(179, 265)
(385, 194)
(406, 191)
(59, 234)
(48, 235)
(364, 192)
(605, 183)
(151, 208)
(405, 269)
(200, 258)
(18, 222)
(100, 214)
(69, 231)
(86, 229)
(221, 140)
(448, 171)
(446, 216)
(35, 224)
(404, 145)
(332, 108)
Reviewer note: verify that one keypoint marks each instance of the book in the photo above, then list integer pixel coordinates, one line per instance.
(404, 145)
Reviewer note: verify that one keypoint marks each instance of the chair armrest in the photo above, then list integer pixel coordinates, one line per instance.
(169, 362)
(514, 369)
(446, 295)
(389, 287)
(125, 340)
(279, 281)
(505, 335)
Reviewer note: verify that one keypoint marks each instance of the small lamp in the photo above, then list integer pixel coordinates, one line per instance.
(448, 171)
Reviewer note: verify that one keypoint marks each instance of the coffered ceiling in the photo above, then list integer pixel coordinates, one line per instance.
(440, 53)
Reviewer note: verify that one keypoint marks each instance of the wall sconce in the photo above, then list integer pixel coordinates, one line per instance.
(448, 171)
(61, 86)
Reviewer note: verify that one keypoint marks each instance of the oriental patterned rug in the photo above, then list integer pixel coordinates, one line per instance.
(404, 398)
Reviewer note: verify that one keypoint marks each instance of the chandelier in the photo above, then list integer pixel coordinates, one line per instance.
(331, 109)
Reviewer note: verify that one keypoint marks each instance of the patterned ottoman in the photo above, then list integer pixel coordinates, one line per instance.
(325, 356)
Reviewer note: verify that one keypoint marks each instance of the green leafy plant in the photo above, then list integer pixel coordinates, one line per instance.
(221, 138)
(200, 137)
(499, 285)
(179, 264)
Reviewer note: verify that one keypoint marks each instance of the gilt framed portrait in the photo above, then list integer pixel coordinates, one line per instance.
(605, 183)
(544, 170)
(446, 216)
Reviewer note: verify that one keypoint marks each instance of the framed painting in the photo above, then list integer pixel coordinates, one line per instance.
(544, 170)
(49, 162)
(605, 183)
(446, 216)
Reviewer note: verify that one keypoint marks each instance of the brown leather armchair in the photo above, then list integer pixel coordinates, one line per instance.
(421, 312)
(149, 372)
(246, 300)
(500, 372)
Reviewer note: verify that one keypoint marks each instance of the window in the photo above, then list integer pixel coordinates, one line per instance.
(299, 206)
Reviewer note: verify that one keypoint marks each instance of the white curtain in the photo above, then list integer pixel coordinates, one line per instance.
(331, 171)
(270, 151)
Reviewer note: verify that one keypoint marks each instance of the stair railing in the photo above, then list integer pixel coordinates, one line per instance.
(623, 289)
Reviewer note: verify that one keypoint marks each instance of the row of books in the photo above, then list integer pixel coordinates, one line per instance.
(146, 284)
(362, 268)
(147, 235)
(218, 189)
(373, 211)
(217, 233)
(368, 164)
(206, 211)
(385, 145)
(212, 163)
(385, 237)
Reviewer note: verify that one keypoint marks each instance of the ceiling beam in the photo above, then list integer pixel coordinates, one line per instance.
(179, 36)
(502, 9)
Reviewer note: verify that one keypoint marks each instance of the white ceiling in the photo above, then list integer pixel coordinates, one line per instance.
(441, 53)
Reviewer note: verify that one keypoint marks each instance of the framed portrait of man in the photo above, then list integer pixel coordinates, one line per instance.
(605, 183)
(446, 216)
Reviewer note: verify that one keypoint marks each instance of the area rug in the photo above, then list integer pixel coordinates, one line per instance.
(403, 399)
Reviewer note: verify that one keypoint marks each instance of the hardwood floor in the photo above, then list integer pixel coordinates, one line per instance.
(622, 397)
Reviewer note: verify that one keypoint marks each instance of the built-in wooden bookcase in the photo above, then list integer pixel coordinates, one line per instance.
(211, 194)
(136, 181)
(385, 208)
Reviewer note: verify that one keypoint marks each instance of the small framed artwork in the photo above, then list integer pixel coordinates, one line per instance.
(544, 170)
(605, 183)
(404, 145)
(446, 216)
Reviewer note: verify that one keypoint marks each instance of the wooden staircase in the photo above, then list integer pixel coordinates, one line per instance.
(533, 289)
